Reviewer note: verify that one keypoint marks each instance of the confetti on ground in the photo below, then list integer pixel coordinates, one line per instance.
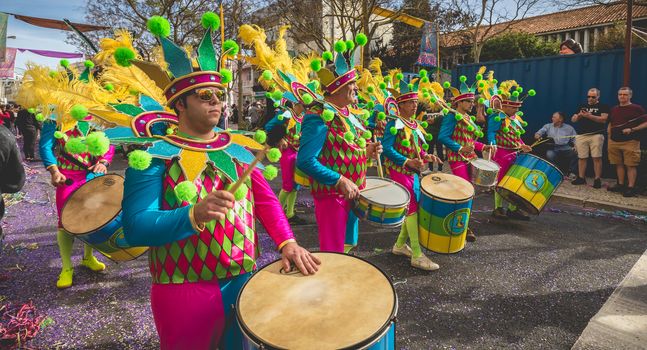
(602, 213)
(13, 198)
(18, 325)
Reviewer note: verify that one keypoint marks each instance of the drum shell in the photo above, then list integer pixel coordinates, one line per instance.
(530, 182)
(300, 178)
(483, 177)
(380, 214)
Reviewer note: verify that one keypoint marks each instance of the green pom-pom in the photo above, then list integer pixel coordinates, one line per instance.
(410, 87)
(429, 137)
(241, 192)
(75, 145)
(425, 95)
(405, 143)
(495, 81)
(40, 117)
(473, 118)
(327, 115)
(490, 110)
(425, 146)
(340, 46)
(98, 143)
(260, 136)
(276, 104)
(370, 89)
(423, 73)
(315, 84)
(327, 56)
(447, 85)
(79, 112)
(274, 155)
(123, 56)
(307, 99)
(424, 124)
(186, 191)
(277, 95)
(361, 143)
(315, 64)
(53, 73)
(280, 117)
(267, 75)
(462, 78)
(506, 129)
(479, 76)
(445, 111)
(139, 160)
(382, 85)
(227, 75)
(520, 113)
(515, 94)
(393, 130)
(399, 76)
(367, 134)
(88, 64)
(433, 99)
(169, 131)
(481, 100)
(517, 132)
(58, 135)
(370, 105)
(470, 128)
(230, 47)
(348, 136)
(524, 123)
(365, 114)
(425, 79)
(387, 78)
(361, 39)
(64, 63)
(268, 94)
(481, 85)
(532, 92)
(270, 172)
(159, 26)
(109, 87)
(497, 119)
(31, 110)
(350, 45)
(381, 116)
(519, 89)
(210, 20)
(458, 116)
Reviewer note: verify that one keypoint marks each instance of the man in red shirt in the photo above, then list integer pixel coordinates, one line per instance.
(625, 120)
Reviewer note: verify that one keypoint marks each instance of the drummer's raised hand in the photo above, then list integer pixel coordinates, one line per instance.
(98, 168)
(490, 149)
(525, 148)
(432, 158)
(374, 149)
(292, 253)
(347, 188)
(213, 207)
(414, 163)
(58, 178)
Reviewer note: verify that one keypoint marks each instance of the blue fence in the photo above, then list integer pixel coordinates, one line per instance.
(562, 82)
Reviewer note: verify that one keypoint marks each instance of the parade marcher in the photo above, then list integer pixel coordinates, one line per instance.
(459, 133)
(405, 156)
(334, 148)
(71, 149)
(181, 195)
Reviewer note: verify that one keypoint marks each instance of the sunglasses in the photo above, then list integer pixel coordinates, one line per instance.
(207, 94)
(591, 96)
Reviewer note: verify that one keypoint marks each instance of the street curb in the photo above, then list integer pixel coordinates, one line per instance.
(592, 203)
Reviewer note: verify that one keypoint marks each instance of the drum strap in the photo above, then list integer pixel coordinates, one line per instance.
(74, 160)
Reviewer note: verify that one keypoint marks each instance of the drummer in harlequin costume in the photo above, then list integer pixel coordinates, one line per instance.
(334, 148)
(504, 130)
(178, 194)
(459, 133)
(71, 149)
(404, 153)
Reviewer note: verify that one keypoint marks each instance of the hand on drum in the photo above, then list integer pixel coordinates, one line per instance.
(347, 188)
(525, 148)
(58, 179)
(98, 168)
(431, 158)
(491, 149)
(373, 150)
(292, 253)
(213, 207)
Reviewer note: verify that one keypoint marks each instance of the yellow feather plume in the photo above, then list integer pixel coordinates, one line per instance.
(506, 86)
(481, 70)
(109, 45)
(375, 66)
(133, 78)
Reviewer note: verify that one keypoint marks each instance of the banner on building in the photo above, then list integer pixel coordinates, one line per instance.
(6, 67)
(4, 20)
(429, 46)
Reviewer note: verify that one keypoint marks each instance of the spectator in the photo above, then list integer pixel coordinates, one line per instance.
(625, 120)
(12, 174)
(222, 122)
(563, 135)
(570, 47)
(589, 123)
(434, 120)
(234, 114)
(28, 126)
(253, 114)
(6, 117)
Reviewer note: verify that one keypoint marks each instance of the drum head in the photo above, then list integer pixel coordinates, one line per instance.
(485, 164)
(346, 304)
(93, 205)
(385, 192)
(447, 186)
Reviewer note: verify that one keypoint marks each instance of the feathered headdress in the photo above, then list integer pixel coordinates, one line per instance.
(341, 71)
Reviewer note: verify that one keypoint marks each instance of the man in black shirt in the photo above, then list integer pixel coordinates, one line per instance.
(28, 126)
(589, 123)
(12, 174)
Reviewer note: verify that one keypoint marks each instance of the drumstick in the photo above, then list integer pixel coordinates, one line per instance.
(259, 156)
(374, 187)
(380, 171)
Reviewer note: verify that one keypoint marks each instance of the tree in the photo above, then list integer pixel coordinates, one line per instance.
(512, 45)
(614, 38)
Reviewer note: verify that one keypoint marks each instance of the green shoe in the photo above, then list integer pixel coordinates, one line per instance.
(93, 264)
(65, 279)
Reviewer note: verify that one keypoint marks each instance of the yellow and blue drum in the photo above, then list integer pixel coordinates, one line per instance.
(382, 202)
(444, 212)
(92, 214)
(348, 304)
(530, 182)
(300, 178)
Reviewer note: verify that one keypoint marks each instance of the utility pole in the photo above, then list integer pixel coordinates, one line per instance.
(628, 34)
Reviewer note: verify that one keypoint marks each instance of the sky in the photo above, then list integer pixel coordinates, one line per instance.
(33, 37)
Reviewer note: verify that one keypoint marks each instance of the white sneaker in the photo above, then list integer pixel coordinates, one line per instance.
(404, 250)
(424, 263)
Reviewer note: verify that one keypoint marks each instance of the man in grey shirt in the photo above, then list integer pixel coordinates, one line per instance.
(564, 136)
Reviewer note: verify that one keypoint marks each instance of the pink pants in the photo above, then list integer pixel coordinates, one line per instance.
(288, 162)
(505, 158)
(461, 169)
(408, 181)
(335, 221)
